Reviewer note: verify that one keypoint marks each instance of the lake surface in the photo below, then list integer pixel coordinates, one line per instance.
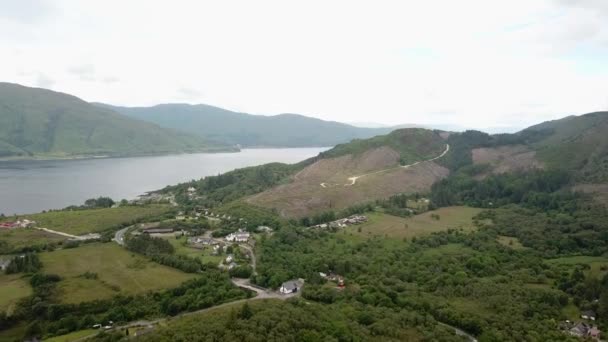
(34, 185)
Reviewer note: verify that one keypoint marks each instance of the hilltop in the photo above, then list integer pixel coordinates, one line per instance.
(283, 130)
(37, 122)
(360, 171)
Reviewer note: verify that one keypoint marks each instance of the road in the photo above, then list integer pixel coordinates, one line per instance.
(353, 180)
(119, 236)
(58, 233)
(460, 332)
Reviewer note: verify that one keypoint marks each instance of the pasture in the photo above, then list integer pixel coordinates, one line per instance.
(16, 239)
(100, 271)
(381, 224)
(13, 287)
(78, 222)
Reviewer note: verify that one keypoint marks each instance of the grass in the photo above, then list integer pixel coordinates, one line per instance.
(14, 333)
(204, 254)
(598, 266)
(13, 287)
(73, 336)
(118, 272)
(23, 237)
(80, 222)
(511, 242)
(423, 224)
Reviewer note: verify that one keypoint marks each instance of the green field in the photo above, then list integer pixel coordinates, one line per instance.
(204, 254)
(598, 266)
(118, 272)
(71, 336)
(397, 227)
(12, 288)
(16, 239)
(80, 222)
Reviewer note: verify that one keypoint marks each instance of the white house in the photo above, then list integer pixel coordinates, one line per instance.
(291, 286)
(238, 237)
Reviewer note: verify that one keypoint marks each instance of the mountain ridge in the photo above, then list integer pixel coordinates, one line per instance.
(41, 123)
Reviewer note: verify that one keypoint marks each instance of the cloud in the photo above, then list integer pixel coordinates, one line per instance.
(25, 11)
(43, 81)
(110, 80)
(188, 93)
(85, 72)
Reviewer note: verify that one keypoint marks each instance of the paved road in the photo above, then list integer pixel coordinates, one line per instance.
(119, 236)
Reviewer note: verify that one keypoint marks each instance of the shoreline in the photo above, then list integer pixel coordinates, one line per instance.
(110, 156)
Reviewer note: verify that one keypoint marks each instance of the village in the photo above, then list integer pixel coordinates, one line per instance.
(342, 223)
(584, 328)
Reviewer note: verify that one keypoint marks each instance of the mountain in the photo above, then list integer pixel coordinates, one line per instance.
(404, 161)
(575, 143)
(42, 123)
(284, 130)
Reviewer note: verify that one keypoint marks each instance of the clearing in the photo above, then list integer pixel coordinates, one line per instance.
(13, 287)
(380, 224)
(73, 336)
(505, 159)
(16, 239)
(598, 266)
(511, 242)
(113, 270)
(78, 222)
(304, 196)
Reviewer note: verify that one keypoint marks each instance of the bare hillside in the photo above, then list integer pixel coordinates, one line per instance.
(328, 183)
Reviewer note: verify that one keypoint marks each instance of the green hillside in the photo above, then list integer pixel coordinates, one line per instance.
(285, 130)
(578, 144)
(42, 123)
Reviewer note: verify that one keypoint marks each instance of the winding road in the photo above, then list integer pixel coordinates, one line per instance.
(353, 180)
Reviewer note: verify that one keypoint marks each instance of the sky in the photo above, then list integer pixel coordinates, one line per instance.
(468, 63)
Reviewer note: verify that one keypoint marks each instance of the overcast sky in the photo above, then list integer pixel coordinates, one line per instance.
(468, 63)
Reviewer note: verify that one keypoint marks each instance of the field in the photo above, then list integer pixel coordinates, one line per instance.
(12, 288)
(397, 227)
(204, 254)
(114, 271)
(71, 336)
(19, 238)
(598, 266)
(80, 222)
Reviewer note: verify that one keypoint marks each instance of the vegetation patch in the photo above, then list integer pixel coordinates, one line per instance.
(78, 222)
(13, 287)
(423, 224)
(511, 242)
(118, 272)
(18, 239)
(73, 336)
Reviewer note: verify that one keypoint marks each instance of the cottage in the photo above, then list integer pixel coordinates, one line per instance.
(229, 259)
(588, 315)
(264, 229)
(291, 286)
(579, 330)
(191, 189)
(238, 237)
(232, 265)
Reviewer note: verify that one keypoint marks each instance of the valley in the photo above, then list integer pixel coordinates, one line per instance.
(414, 235)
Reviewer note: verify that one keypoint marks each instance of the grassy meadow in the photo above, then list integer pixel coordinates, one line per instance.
(80, 222)
(381, 224)
(114, 271)
(16, 239)
(13, 287)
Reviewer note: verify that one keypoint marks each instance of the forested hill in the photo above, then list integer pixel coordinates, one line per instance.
(284, 130)
(38, 122)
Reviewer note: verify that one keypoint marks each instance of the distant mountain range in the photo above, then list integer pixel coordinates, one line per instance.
(247, 130)
(42, 123)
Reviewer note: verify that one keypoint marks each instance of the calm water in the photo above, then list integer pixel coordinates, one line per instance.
(33, 186)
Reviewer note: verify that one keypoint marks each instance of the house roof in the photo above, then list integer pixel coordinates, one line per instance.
(290, 285)
(588, 313)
